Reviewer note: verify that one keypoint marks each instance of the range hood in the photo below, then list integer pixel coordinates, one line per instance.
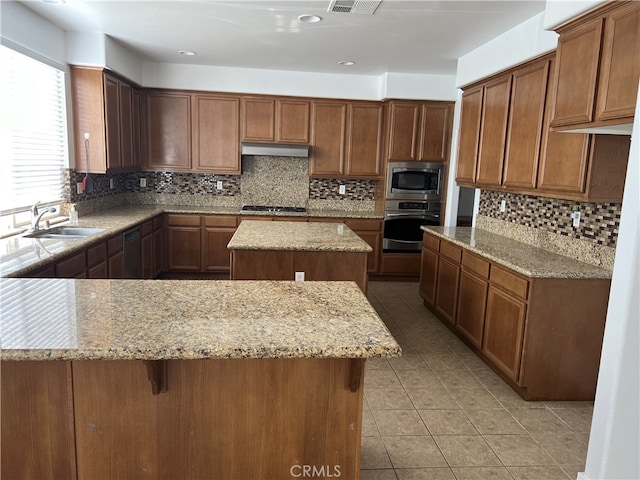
(275, 149)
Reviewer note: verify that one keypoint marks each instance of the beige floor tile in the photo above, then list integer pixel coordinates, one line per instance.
(407, 362)
(566, 449)
(441, 361)
(413, 452)
(399, 422)
(418, 378)
(373, 454)
(447, 422)
(538, 473)
(466, 451)
(572, 470)
(579, 419)
(496, 422)
(568, 404)
(377, 364)
(435, 473)
(539, 420)
(458, 379)
(381, 379)
(386, 474)
(518, 450)
(482, 473)
(369, 427)
(472, 398)
(388, 399)
(437, 398)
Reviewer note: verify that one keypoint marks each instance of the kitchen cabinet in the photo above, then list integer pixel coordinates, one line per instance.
(371, 232)
(216, 233)
(215, 134)
(158, 245)
(346, 139)
(74, 266)
(469, 135)
(103, 111)
(168, 118)
(116, 256)
(597, 68)
(183, 243)
(97, 266)
(146, 248)
(280, 120)
(418, 131)
(542, 335)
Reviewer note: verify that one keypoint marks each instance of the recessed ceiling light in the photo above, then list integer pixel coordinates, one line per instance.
(347, 63)
(310, 18)
(189, 53)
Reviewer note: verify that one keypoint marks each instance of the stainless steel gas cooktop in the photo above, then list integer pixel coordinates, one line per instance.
(271, 208)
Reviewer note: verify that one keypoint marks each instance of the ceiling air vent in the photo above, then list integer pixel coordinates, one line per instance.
(362, 7)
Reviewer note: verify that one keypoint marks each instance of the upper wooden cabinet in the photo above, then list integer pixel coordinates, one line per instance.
(469, 135)
(419, 131)
(104, 123)
(597, 68)
(346, 139)
(280, 120)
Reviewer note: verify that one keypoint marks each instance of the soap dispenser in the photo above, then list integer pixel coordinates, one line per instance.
(73, 215)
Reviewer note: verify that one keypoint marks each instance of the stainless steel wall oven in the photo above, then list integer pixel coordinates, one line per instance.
(402, 222)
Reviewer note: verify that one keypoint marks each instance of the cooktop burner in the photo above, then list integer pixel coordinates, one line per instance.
(271, 208)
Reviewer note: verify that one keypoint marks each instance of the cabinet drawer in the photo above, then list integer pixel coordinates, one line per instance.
(475, 264)
(364, 225)
(146, 228)
(96, 254)
(450, 251)
(220, 221)
(183, 220)
(510, 282)
(72, 267)
(157, 222)
(431, 242)
(114, 244)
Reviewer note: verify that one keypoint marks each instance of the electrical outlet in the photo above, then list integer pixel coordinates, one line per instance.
(342, 189)
(143, 182)
(219, 185)
(79, 188)
(299, 277)
(503, 206)
(112, 184)
(575, 215)
(340, 229)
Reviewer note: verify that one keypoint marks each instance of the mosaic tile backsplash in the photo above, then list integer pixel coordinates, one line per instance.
(328, 189)
(599, 222)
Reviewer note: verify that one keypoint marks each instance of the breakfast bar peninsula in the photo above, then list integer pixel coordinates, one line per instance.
(184, 379)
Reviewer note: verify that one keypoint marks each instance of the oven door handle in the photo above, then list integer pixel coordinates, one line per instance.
(423, 216)
(404, 241)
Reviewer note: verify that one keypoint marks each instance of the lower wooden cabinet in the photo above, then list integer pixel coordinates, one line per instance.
(428, 276)
(448, 278)
(472, 302)
(116, 256)
(216, 234)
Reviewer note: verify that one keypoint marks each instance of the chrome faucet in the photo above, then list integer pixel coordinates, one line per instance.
(36, 216)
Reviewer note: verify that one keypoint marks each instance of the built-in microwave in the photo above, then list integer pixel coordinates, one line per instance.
(415, 180)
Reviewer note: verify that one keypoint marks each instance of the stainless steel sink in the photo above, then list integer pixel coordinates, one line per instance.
(65, 232)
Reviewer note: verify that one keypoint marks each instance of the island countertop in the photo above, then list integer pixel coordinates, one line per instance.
(57, 319)
(297, 236)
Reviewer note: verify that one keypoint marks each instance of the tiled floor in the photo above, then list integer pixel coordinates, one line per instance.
(440, 413)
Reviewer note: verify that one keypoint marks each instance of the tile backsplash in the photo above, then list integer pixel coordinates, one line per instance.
(328, 189)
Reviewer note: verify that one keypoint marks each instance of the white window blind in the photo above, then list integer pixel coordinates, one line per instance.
(33, 132)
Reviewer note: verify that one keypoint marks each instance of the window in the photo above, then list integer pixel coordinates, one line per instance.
(33, 133)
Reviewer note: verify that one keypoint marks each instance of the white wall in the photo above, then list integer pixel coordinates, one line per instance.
(560, 11)
(412, 86)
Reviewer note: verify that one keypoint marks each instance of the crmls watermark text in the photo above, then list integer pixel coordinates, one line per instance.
(315, 471)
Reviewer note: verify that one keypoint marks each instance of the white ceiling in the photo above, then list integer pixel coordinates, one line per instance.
(418, 36)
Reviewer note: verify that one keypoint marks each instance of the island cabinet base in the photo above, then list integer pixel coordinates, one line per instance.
(232, 419)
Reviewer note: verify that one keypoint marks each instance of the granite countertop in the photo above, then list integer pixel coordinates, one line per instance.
(188, 319)
(20, 255)
(297, 236)
(521, 257)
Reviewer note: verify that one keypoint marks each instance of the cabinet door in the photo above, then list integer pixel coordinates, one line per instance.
(563, 166)
(292, 121)
(434, 132)
(374, 240)
(136, 128)
(447, 290)
(126, 126)
(526, 117)
(493, 131)
(503, 332)
(469, 135)
(577, 60)
(116, 265)
(98, 271)
(168, 130)
(328, 130)
(258, 119)
(158, 252)
(620, 64)
(112, 114)
(216, 257)
(215, 134)
(147, 257)
(183, 249)
(472, 301)
(403, 131)
(428, 276)
(364, 147)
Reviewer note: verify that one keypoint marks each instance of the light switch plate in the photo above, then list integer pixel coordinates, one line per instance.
(79, 188)
(299, 277)
(503, 206)
(342, 189)
(219, 185)
(111, 183)
(143, 182)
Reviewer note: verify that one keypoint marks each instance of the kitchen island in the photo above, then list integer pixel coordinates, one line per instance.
(183, 379)
(285, 250)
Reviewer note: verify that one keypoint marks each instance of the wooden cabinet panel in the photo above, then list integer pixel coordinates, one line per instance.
(179, 220)
(146, 244)
(469, 135)
(292, 121)
(564, 162)
(216, 135)
(158, 252)
(374, 239)
(526, 117)
(447, 290)
(364, 140)
(404, 120)
(428, 276)
(127, 126)
(260, 265)
(493, 131)
(138, 119)
(472, 300)
(96, 254)
(258, 119)
(431, 242)
(328, 130)
(184, 248)
(112, 119)
(72, 266)
(98, 271)
(450, 251)
(620, 66)
(116, 265)
(503, 333)
(168, 130)
(515, 284)
(435, 130)
(216, 257)
(38, 439)
(400, 264)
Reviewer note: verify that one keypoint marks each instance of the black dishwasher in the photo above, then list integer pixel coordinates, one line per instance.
(132, 253)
